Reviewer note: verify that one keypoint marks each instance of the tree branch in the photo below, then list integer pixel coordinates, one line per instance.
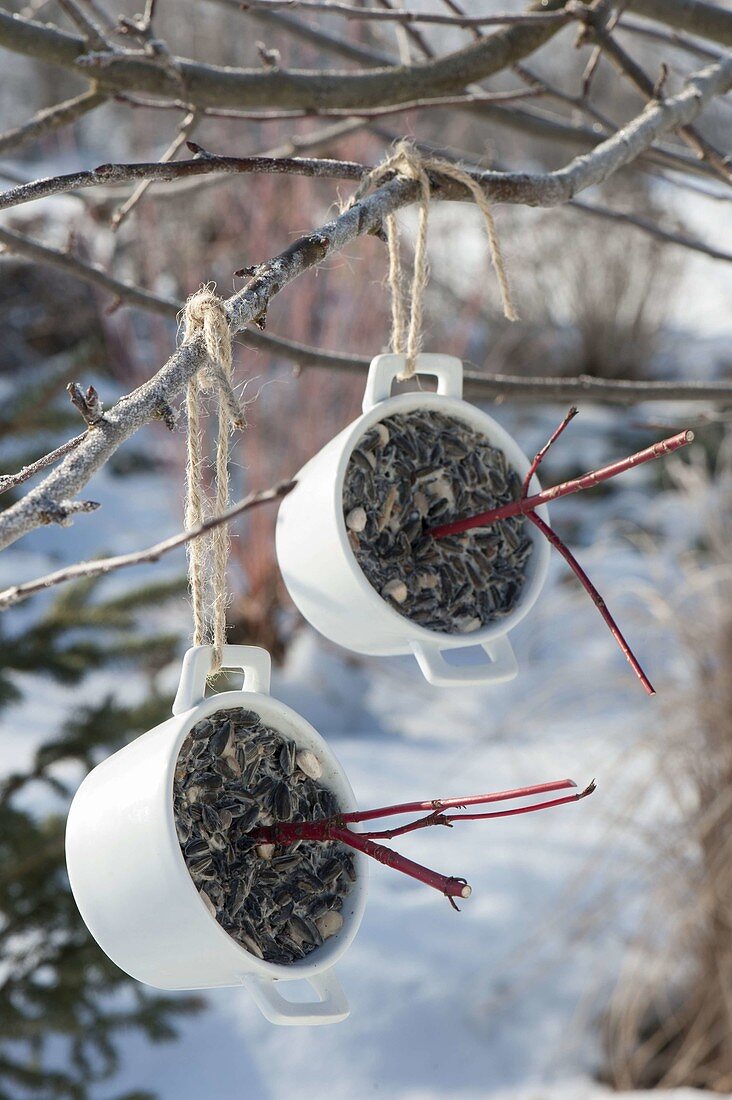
(499, 386)
(695, 16)
(52, 118)
(631, 69)
(216, 86)
(531, 189)
(618, 392)
(402, 16)
(9, 481)
(366, 216)
(101, 566)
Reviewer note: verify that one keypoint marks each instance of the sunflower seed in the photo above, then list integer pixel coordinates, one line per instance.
(237, 773)
(425, 468)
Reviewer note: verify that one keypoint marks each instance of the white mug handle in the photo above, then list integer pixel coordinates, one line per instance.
(500, 667)
(255, 663)
(330, 1008)
(384, 369)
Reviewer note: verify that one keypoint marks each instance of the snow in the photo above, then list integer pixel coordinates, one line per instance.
(500, 1000)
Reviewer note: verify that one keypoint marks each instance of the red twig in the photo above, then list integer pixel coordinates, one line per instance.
(539, 456)
(526, 505)
(336, 828)
(438, 818)
(595, 596)
(450, 887)
(454, 803)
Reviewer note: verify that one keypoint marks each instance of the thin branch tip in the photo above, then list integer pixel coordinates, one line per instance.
(589, 789)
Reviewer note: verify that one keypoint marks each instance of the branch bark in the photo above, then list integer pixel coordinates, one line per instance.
(101, 566)
(695, 16)
(526, 188)
(623, 393)
(52, 118)
(216, 86)
(477, 384)
(367, 216)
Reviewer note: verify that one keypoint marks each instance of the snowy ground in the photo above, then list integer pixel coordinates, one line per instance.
(500, 1000)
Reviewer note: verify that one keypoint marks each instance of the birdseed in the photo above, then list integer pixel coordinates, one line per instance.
(234, 774)
(417, 470)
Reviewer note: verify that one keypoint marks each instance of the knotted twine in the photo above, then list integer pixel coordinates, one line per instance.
(408, 163)
(205, 318)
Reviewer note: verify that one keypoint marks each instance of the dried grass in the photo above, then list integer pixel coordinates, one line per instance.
(669, 1022)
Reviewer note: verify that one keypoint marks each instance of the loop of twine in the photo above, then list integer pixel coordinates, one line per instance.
(406, 161)
(205, 318)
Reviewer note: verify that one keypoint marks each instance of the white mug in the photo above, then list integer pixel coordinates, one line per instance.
(320, 569)
(130, 880)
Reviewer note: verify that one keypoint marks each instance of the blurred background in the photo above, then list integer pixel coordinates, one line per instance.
(595, 953)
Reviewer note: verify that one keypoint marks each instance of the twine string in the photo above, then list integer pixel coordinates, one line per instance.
(205, 318)
(407, 316)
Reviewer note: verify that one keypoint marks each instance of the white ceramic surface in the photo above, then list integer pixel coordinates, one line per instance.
(320, 568)
(129, 877)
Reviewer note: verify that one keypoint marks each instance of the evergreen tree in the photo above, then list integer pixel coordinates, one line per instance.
(63, 1004)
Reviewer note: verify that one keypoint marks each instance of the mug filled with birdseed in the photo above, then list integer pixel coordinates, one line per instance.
(354, 540)
(170, 859)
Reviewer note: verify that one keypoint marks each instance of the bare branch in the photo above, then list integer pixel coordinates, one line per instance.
(101, 566)
(366, 216)
(478, 384)
(212, 86)
(676, 39)
(203, 164)
(630, 68)
(10, 481)
(532, 189)
(464, 102)
(325, 40)
(695, 16)
(185, 129)
(92, 32)
(400, 15)
(52, 118)
(668, 236)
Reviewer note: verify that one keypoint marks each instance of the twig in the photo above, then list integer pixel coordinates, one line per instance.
(630, 68)
(595, 596)
(19, 592)
(366, 216)
(439, 818)
(696, 16)
(499, 386)
(669, 236)
(449, 886)
(204, 163)
(526, 505)
(447, 803)
(569, 557)
(88, 26)
(671, 38)
(336, 828)
(400, 15)
(184, 132)
(52, 118)
(9, 481)
(538, 458)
